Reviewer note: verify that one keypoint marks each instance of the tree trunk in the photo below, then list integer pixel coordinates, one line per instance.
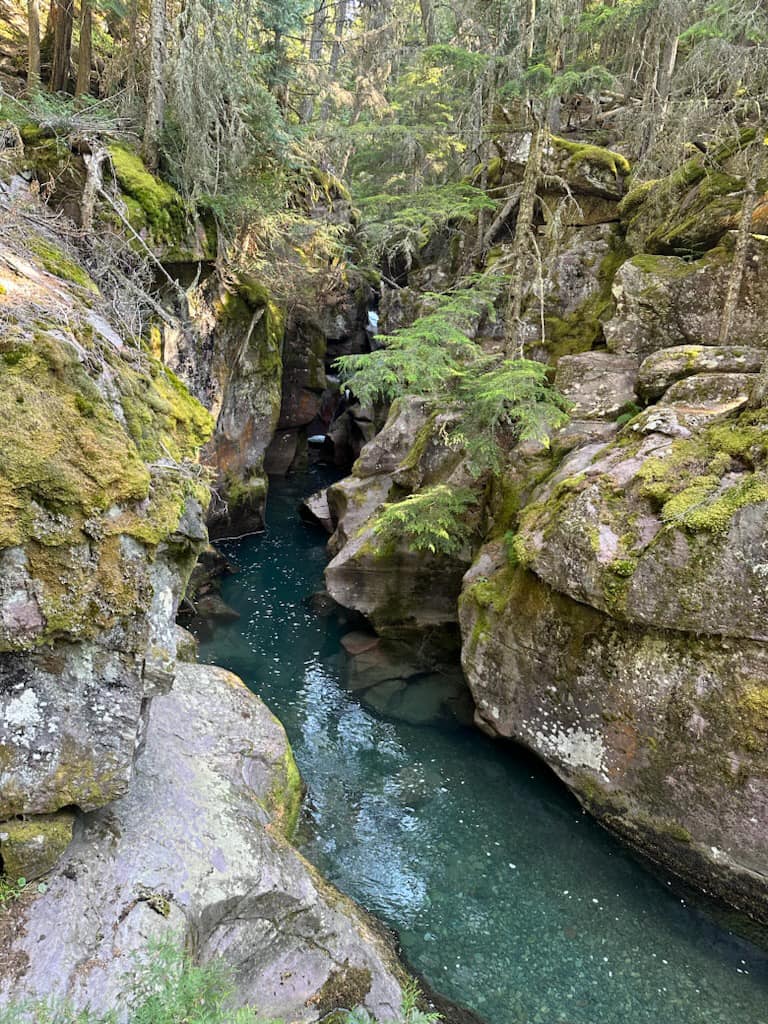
(153, 129)
(62, 17)
(741, 249)
(33, 46)
(521, 246)
(428, 21)
(83, 86)
(527, 33)
(133, 46)
(316, 40)
(338, 42)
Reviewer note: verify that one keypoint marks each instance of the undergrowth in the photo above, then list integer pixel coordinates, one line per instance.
(166, 987)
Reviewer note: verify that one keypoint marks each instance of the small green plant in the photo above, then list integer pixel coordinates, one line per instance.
(438, 358)
(410, 1013)
(434, 520)
(167, 987)
(11, 890)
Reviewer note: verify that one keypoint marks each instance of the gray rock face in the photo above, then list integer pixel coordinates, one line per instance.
(100, 522)
(599, 384)
(402, 592)
(661, 735)
(196, 847)
(594, 531)
(667, 366)
(662, 301)
(713, 392)
(230, 359)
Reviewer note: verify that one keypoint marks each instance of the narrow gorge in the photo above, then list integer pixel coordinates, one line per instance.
(383, 513)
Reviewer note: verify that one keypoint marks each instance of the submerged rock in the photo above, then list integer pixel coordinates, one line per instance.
(197, 849)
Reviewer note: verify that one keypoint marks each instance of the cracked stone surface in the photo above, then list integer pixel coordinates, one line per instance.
(196, 848)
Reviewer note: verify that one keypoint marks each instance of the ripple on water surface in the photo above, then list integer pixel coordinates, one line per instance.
(505, 895)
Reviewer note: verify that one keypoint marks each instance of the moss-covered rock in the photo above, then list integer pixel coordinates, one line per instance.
(660, 734)
(666, 531)
(231, 359)
(688, 212)
(31, 847)
(196, 852)
(664, 301)
(100, 519)
(664, 368)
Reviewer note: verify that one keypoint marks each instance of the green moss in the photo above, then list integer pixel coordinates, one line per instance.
(627, 413)
(701, 482)
(494, 176)
(285, 797)
(419, 446)
(151, 204)
(582, 152)
(53, 454)
(636, 197)
(688, 212)
(754, 705)
(163, 419)
(58, 263)
(73, 483)
(582, 329)
(33, 845)
(699, 222)
(661, 266)
(701, 507)
(345, 988)
(331, 187)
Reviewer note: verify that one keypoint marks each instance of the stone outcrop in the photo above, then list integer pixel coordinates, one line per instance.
(230, 358)
(660, 733)
(401, 592)
(101, 519)
(613, 620)
(197, 850)
(664, 301)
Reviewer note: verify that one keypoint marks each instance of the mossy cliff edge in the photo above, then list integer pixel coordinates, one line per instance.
(101, 519)
(613, 615)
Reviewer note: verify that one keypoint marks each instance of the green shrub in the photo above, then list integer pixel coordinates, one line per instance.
(434, 520)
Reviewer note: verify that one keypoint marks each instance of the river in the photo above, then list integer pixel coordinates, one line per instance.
(505, 895)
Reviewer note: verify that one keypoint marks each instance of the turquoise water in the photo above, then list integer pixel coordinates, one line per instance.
(506, 897)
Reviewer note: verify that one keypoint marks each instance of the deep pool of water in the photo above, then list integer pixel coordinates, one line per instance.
(506, 897)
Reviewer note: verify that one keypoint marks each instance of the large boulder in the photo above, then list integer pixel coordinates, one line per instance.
(196, 851)
(663, 735)
(665, 531)
(599, 385)
(403, 592)
(664, 301)
(660, 370)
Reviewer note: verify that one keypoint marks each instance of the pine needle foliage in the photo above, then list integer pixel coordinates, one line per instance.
(423, 359)
(438, 357)
(401, 225)
(509, 396)
(433, 521)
